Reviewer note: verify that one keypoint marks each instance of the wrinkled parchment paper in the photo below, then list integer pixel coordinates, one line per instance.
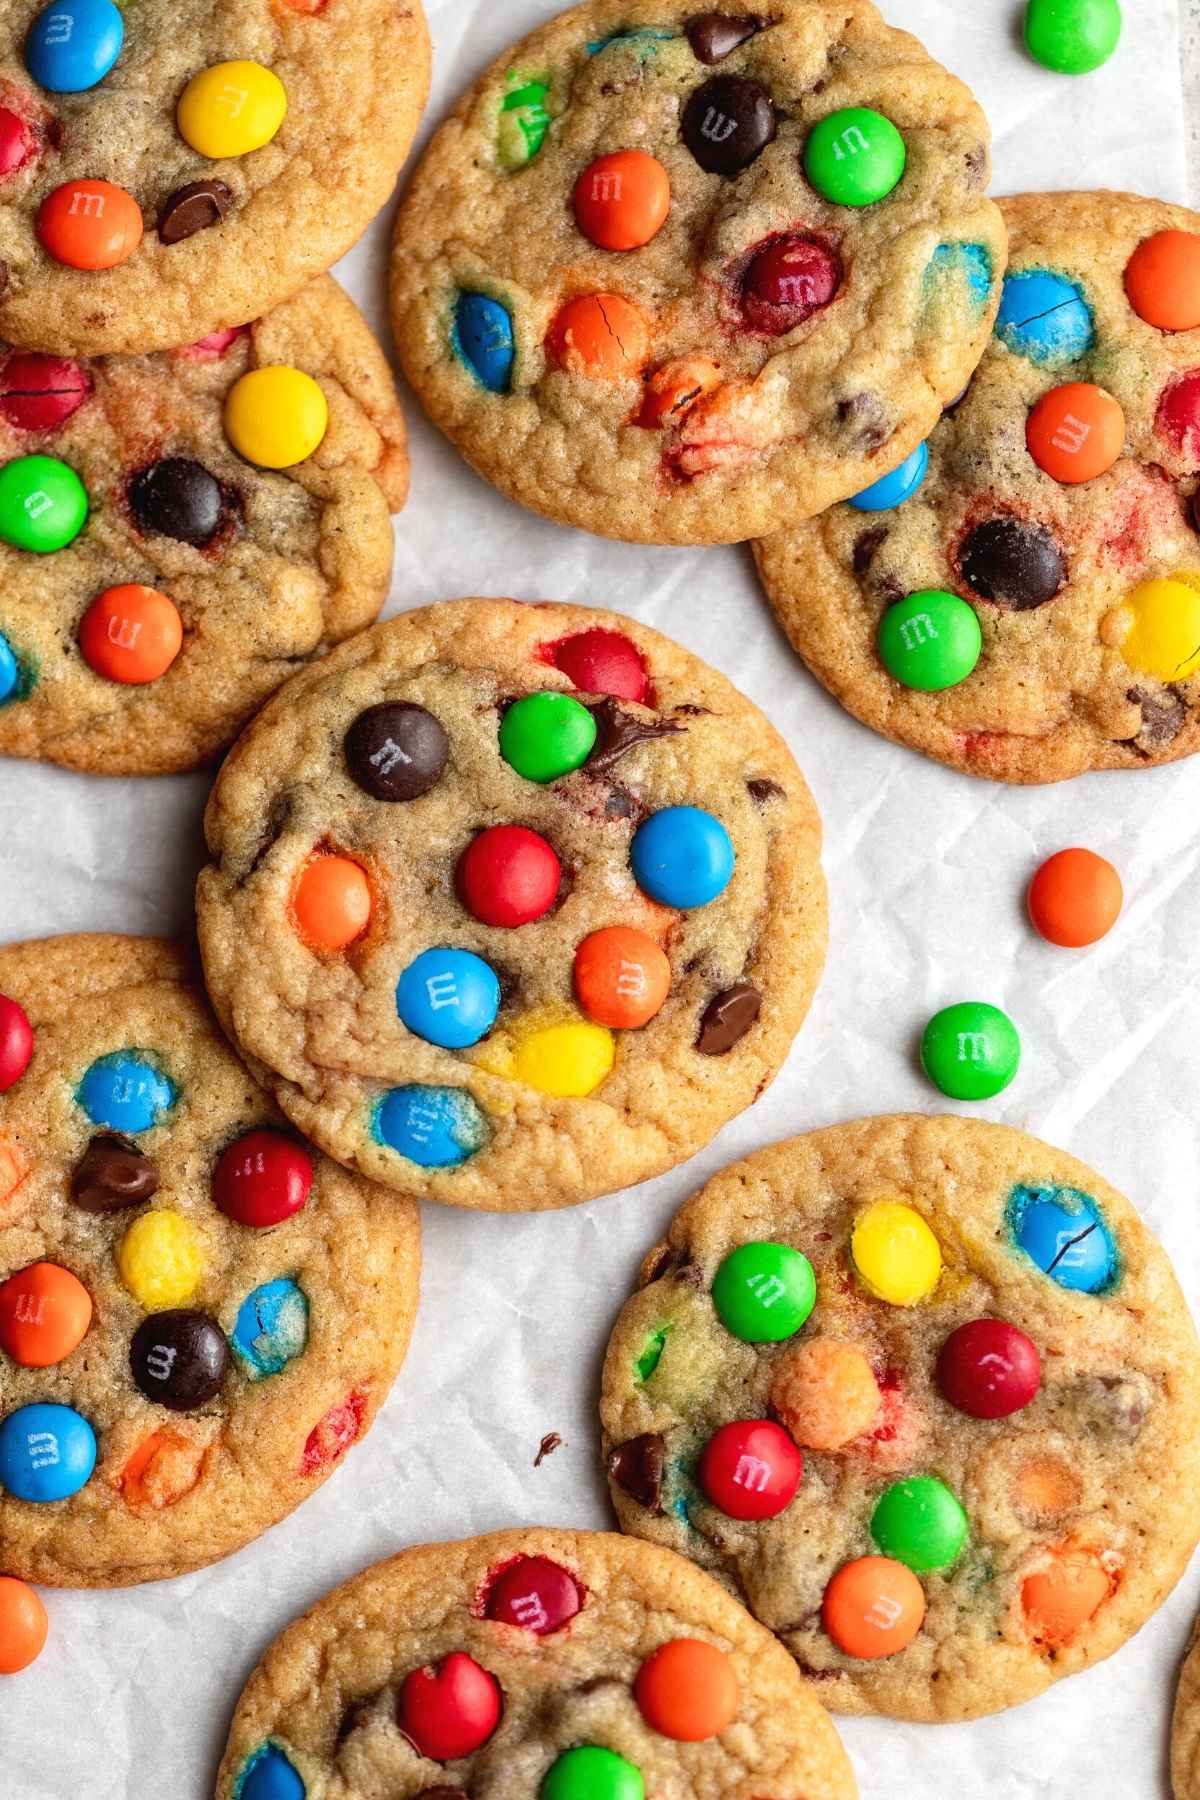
(131, 1699)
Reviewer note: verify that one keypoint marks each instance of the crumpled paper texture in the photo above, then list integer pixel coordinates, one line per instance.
(927, 870)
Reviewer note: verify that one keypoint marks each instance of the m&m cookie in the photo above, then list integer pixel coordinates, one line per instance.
(179, 532)
(169, 172)
(512, 905)
(1027, 607)
(199, 1313)
(679, 274)
(925, 1393)
(561, 1665)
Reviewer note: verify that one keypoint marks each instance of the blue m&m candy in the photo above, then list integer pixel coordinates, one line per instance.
(126, 1092)
(435, 1127)
(972, 263)
(73, 44)
(46, 1452)
(894, 489)
(448, 997)
(483, 337)
(10, 670)
(1063, 1232)
(269, 1775)
(1045, 317)
(682, 857)
(271, 1328)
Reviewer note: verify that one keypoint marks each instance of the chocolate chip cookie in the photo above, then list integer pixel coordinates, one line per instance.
(512, 905)
(680, 275)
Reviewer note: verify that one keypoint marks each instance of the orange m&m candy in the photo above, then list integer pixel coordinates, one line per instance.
(602, 336)
(1076, 432)
(826, 1394)
(687, 1690)
(332, 902)
(131, 634)
(23, 1625)
(673, 390)
(873, 1607)
(621, 977)
(622, 201)
(1162, 280)
(1075, 898)
(90, 224)
(45, 1312)
(1060, 1598)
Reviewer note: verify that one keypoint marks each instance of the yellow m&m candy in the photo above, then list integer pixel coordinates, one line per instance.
(569, 1061)
(161, 1260)
(897, 1256)
(276, 417)
(1157, 630)
(231, 109)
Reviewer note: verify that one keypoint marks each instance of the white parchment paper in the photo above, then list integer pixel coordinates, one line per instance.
(927, 869)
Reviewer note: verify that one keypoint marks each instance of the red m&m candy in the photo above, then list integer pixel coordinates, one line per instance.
(751, 1469)
(38, 393)
(16, 141)
(451, 1710)
(989, 1369)
(787, 283)
(508, 876)
(603, 662)
(535, 1594)
(16, 1042)
(262, 1179)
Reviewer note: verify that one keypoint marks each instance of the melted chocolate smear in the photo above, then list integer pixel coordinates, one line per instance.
(1164, 716)
(867, 545)
(863, 418)
(549, 1444)
(637, 1467)
(618, 732)
(763, 791)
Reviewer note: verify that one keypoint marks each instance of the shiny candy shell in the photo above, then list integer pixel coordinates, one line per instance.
(971, 1051)
(179, 1359)
(72, 44)
(1064, 1233)
(589, 1772)
(231, 109)
(751, 1469)
(271, 1328)
(899, 485)
(930, 640)
(764, 1292)
(449, 1711)
(1045, 317)
(682, 857)
(543, 736)
(1157, 629)
(10, 671)
(483, 338)
(43, 504)
(125, 1091)
(276, 417)
(448, 997)
(898, 1258)
(988, 1369)
(920, 1523)
(87, 224)
(16, 1042)
(535, 1595)
(434, 1127)
(262, 1178)
(270, 1775)
(47, 1453)
(1072, 37)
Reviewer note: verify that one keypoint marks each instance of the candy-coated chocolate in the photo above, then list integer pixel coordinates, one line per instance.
(43, 504)
(897, 1256)
(930, 640)
(524, 121)
(161, 1259)
(727, 1018)
(751, 1469)
(126, 1091)
(895, 488)
(534, 1594)
(1178, 418)
(589, 1772)
(176, 497)
(569, 1060)
(231, 109)
(764, 1292)
(39, 393)
(825, 1394)
(131, 634)
(396, 751)
(16, 1042)
(72, 44)
(270, 1775)
(622, 200)
(1064, 1233)
(1076, 432)
(508, 876)
(1162, 280)
(545, 735)
(333, 1433)
(622, 977)
(276, 417)
(435, 1127)
(17, 142)
(1072, 37)
(920, 1523)
(682, 857)
(1017, 563)
(89, 225)
(873, 1607)
(673, 390)
(45, 1313)
(271, 1328)
(179, 1359)
(448, 997)
(687, 1690)
(971, 1051)
(331, 902)
(192, 208)
(968, 264)
(1045, 317)
(787, 282)
(855, 157)
(728, 123)
(10, 671)
(1063, 1595)
(603, 337)
(47, 1453)
(1157, 628)
(451, 1710)
(262, 1178)
(603, 662)
(988, 1369)
(23, 1625)
(1075, 898)
(483, 337)
(111, 1175)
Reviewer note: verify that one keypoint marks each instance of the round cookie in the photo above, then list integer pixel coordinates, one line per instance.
(558, 1663)
(677, 275)
(1054, 536)
(198, 1314)
(157, 582)
(180, 168)
(925, 1394)
(1185, 1727)
(512, 905)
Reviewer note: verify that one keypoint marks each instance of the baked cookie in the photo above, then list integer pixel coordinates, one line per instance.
(158, 580)
(512, 905)
(1021, 599)
(1185, 1727)
(198, 1314)
(573, 1665)
(680, 275)
(178, 168)
(925, 1394)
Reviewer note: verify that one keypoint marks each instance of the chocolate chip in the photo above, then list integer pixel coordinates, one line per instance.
(177, 498)
(112, 1175)
(762, 791)
(728, 123)
(864, 420)
(1014, 562)
(727, 1018)
(193, 208)
(1163, 717)
(620, 803)
(977, 166)
(397, 751)
(179, 1359)
(866, 546)
(1119, 1404)
(1194, 507)
(637, 1467)
(714, 36)
(617, 732)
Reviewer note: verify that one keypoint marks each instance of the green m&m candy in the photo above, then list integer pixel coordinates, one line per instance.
(970, 1051)
(920, 1523)
(855, 157)
(1072, 37)
(930, 640)
(764, 1292)
(43, 504)
(524, 121)
(546, 735)
(589, 1773)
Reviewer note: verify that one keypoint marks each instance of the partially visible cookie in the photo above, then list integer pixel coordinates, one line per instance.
(573, 1665)
(512, 905)
(199, 1314)
(677, 274)
(925, 1394)
(157, 582)
(1185, 1727)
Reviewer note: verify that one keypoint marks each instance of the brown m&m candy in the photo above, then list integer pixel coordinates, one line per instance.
(714, 36)
(177, 498)
(727, 1018)
(179, 1359)
(728, 123)
(193, 208)
(397, 751)
(1014, 562)
(112, 1175)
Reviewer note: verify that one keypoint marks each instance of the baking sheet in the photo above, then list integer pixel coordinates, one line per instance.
(132, 1696)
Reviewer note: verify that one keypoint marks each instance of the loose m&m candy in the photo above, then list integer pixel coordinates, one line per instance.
(971, 1051)
(1075, 898)
(72, 44)
(1072, 37)
(23, 1626)
(855, 157)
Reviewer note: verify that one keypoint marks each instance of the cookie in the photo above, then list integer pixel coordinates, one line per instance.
(1022, 600)
(925, 1394)
(1185, 1727)
(512, 905)
(179, 168)
(574, 1665)
(681, 276)
(179, 532)
(199, 1315)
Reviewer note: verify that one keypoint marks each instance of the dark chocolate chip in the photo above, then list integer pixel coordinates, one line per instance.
(728, 123)
(193, 208)
(112, 1175)
(637, 1467)
(1163, 717)
(866, 545)
(714, 36)
(1194, 508)
(727, 1018)
(864, 420)
(1014, 562)
(397, 751)
(179, 1358)
(177, 498)
(617, 732)
(763, 791)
